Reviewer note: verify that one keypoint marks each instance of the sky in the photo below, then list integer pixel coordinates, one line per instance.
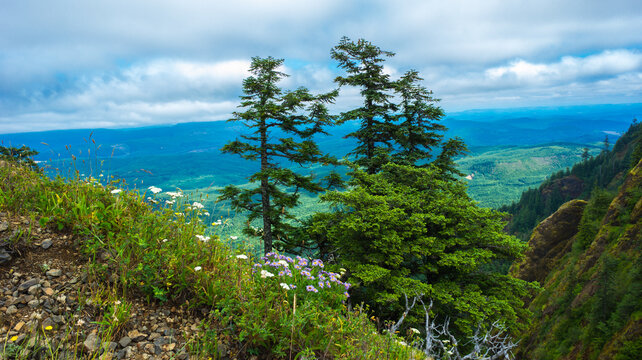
(112, 64)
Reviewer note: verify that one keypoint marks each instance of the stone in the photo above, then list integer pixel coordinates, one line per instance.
(34, 289)
(33, 303)
(54, 272)
(11, 310)
(4, 256)
(4, 225)
(91, 343)
(19, 326)
(124, 341)
(27, 284)
(136, 335)
(46, 244)
(48, 291)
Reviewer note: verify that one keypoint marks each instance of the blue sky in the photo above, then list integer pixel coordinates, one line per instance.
(91, 64)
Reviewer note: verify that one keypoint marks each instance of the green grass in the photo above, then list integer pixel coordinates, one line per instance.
(156, 254)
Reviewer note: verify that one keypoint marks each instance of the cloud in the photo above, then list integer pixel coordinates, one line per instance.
(122, 63)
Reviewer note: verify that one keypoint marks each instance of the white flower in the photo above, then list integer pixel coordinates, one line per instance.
(285, 286)
(401, 343)
(283, 262)
(203, 238)
(198, 268)
(206, 213)
(174, 194)
(266, 274)
(234, 237)
(116, 191)
(164, 240)
(170, 202)
(414, 330)
(80, 322)
(155, 189)
(241, 256)
(217, 222)
(197, 205)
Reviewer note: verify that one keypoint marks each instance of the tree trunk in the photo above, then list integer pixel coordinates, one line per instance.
(265, 195)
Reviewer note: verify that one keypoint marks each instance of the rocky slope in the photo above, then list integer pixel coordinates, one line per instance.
(52, 305)
(588, 259)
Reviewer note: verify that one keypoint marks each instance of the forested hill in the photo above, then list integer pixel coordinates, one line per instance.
(605, 171)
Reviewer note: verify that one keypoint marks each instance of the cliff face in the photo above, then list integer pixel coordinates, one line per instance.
(587, 257)
(550, 241)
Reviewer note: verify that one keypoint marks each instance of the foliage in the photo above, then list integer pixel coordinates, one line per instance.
(406, 230)
(268, 109)
(23, 155)
(162, 253)
(363, 63)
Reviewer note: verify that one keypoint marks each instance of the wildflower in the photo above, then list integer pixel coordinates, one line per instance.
(206, 213)
(116, 191)
(234, 237)
(283, 262)
(292, 286)
(80, 322)
(414, 331)
(346, 294)
(266, 274)
(281, 273)
(198, 268)
(321, 284)
(197, 205)
(217, 222)
(178, 214)
(203, 238)
(174, 195)
(317, 262)
(170, 202)
(13, 338)
(285, 286)
(154, 189)
(164, 240)
(403, 343)
(311, 288)
(241, 256)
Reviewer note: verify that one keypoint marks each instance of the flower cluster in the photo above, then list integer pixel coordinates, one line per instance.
(308, 274)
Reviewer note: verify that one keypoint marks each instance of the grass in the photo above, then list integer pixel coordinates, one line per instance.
(168, 253)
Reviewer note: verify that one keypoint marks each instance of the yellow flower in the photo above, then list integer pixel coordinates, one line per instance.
(13, 338)
(49, 328)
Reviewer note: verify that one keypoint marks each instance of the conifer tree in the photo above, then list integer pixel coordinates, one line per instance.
(418, 131)
(267, 111)
(363, 63)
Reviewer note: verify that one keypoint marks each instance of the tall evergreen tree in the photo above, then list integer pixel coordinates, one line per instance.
(269, 110)
(363, 63)
(417, 132)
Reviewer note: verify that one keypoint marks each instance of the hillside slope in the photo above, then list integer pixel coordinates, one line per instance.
(588, 258)
(604, 171)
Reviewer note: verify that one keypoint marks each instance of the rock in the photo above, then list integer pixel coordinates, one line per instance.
(58, 319)
(91, 343)
(46, 244)
(33, 303)
(550, 241)
(136, 335)
(34, 289)
(4, 256)
(54, 272)
(11, 310)
(48, 291)
(124, 341)
(4, 225)
(19, 326)
(27, 284)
